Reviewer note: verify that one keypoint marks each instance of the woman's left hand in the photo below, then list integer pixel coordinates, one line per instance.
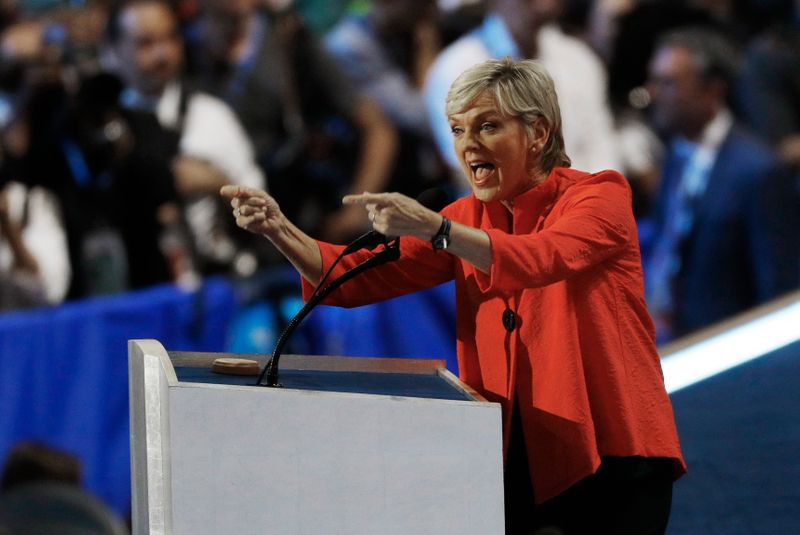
(394, 214)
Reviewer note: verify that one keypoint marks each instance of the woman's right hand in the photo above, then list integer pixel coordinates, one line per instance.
(254, 209)
(259, 213)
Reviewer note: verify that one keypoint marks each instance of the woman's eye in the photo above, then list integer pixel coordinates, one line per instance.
(455, 130)
(487, 126)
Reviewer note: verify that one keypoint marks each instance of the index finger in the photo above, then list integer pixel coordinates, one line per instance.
(380, 199)
(232, 191)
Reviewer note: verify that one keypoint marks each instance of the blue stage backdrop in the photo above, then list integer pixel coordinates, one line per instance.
(64, 372)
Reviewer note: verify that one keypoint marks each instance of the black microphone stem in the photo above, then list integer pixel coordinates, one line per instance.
(390, 253)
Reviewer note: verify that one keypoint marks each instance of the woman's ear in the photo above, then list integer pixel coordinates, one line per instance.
(540, 133)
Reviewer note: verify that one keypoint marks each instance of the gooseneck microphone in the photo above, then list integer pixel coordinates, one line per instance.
(434, 199)
(369, 240)
(389, 253)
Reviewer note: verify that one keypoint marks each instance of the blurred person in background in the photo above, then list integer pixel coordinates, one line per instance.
(79, 25)
(632, 35)
(316, 136)
(527, 29)
(625, 32)
(204, 142)
(33, 462)
(603, 25)
(34, 260)
(727, 213)
(386, 53)
(67, 134)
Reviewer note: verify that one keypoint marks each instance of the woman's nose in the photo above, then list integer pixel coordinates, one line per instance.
(468, 140)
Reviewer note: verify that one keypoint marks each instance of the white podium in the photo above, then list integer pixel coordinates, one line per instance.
(348, 446)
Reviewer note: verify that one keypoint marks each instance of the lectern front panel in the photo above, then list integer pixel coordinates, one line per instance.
(385, 455)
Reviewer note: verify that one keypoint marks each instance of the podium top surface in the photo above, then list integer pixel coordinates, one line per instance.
(416, 378)
(384, 384)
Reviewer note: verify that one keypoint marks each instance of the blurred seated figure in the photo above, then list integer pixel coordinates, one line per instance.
(40, 494)
(386, 53)
(34, 462)
(316, 137)
(526, 29)
(727, 213)
(50, 509)
(208, 147)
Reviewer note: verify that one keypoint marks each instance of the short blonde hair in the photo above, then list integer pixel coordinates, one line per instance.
(521, 89)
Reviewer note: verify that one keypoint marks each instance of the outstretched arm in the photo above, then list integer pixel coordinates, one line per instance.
(259, 213)
(394, 214)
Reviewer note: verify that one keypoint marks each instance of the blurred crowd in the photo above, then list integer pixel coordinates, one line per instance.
(120, 121)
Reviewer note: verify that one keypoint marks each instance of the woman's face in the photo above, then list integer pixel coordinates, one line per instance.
(494, 151)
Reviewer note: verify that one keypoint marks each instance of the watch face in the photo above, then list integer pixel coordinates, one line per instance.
(442, 238)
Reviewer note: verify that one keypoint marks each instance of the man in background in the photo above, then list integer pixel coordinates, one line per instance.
(726, 215)
(208, 147)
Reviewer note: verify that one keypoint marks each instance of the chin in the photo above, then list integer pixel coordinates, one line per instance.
(486, 194)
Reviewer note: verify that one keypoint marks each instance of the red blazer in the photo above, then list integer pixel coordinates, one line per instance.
(581, 354)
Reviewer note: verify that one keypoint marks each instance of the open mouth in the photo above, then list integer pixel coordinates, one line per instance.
(481, 171)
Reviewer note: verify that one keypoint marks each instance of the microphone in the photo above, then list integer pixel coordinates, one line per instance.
(368, 240)
(390, 253)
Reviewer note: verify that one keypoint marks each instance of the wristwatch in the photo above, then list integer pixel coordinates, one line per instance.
(441, 239)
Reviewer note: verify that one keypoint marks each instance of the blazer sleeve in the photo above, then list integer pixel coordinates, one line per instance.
(418, 267)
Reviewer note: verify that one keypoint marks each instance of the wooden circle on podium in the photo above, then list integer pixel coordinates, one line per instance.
(235, 366)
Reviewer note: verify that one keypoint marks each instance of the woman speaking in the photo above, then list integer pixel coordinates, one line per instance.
(551, 318)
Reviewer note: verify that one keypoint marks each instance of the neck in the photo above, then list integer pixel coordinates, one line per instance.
(536, 178)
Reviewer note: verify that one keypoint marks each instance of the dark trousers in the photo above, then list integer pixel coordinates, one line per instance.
(627, 495)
